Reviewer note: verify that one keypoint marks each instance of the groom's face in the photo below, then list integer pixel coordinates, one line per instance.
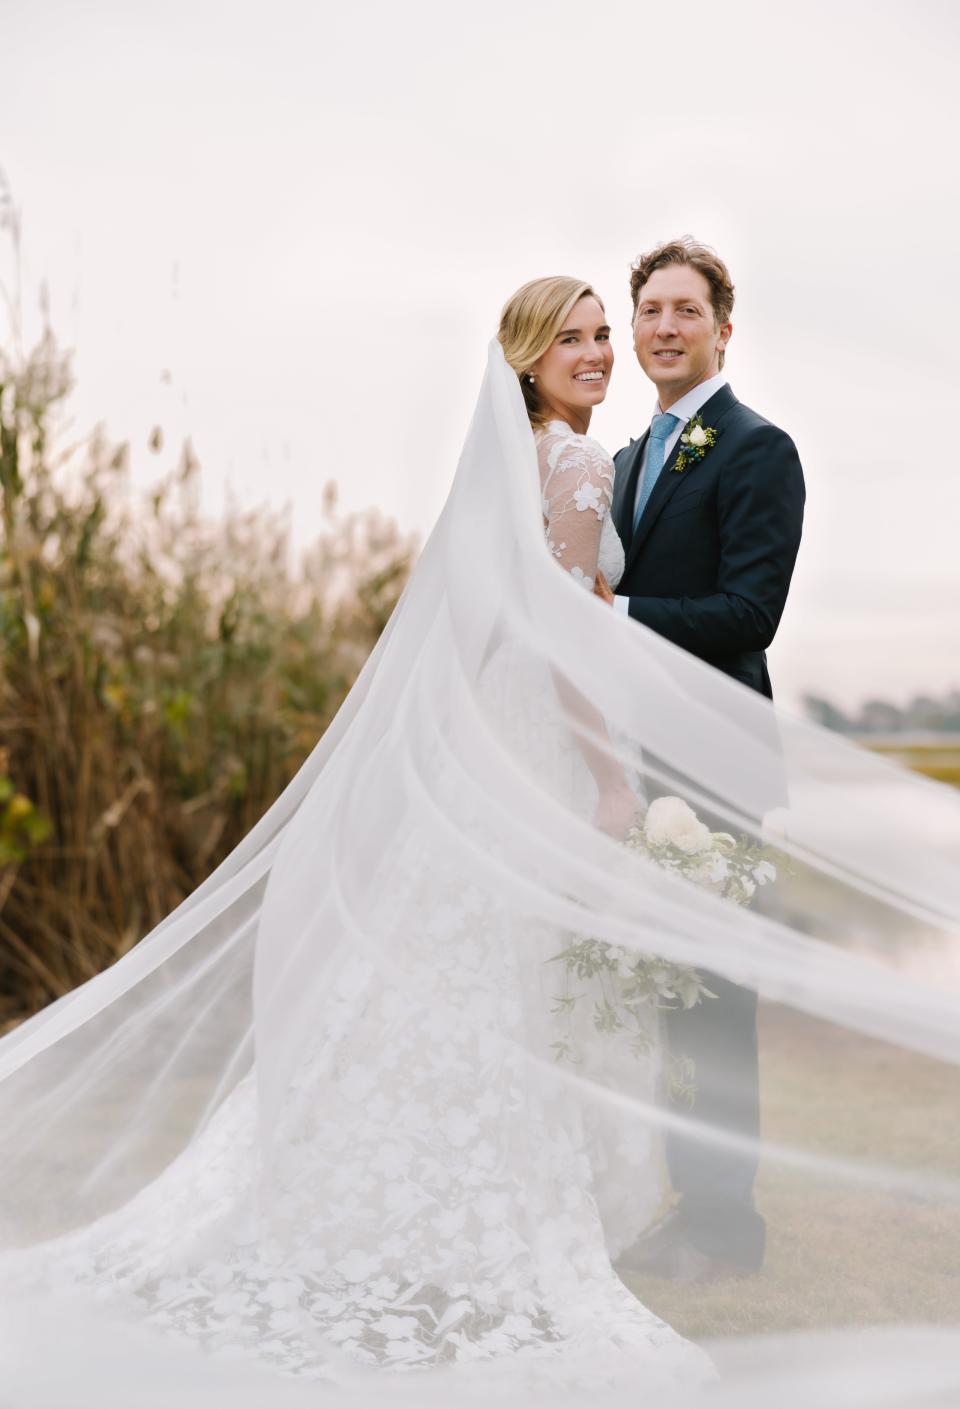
(675, 333)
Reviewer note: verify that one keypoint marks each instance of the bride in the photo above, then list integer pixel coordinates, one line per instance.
(341, 1114)
(386, 1165)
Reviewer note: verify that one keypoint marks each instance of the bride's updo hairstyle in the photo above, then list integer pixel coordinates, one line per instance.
(529, 323)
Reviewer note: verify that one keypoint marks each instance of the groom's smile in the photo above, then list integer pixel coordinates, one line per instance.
(675, 333)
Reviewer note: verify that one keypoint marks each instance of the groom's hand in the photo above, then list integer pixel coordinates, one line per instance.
(602, 589)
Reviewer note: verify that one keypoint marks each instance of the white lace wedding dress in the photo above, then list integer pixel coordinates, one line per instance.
(316, 1121)
(435, 1195)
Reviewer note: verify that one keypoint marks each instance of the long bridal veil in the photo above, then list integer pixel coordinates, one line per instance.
(391, 1061)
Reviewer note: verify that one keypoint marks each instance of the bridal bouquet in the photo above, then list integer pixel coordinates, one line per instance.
(623, 985)
(673, 836)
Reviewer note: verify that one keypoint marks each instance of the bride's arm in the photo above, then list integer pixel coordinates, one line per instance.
(577, 487)
(576, 481)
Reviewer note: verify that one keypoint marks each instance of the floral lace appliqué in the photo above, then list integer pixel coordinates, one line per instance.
(576, 482)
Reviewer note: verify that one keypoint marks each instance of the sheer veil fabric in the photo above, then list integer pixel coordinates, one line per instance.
(338, 1115)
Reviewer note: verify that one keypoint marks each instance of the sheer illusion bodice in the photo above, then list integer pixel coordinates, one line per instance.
(576, 485)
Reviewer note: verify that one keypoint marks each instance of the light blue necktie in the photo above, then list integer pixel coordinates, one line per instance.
(660, 429)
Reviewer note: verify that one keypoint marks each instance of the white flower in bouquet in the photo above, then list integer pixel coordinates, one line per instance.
(698, 436)
(714, 871)
(775, 826)
(672, 822)
(621, 961)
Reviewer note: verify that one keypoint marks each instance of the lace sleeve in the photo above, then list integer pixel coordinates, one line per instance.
(576, 478)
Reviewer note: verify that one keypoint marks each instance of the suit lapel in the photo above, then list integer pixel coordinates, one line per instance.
(625, 489)
(667, 483)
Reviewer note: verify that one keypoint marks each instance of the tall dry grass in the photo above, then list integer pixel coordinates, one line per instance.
(162, 678)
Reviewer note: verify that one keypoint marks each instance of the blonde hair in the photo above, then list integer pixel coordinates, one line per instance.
(529, 323)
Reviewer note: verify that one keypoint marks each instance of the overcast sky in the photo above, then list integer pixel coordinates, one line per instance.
(309, 215)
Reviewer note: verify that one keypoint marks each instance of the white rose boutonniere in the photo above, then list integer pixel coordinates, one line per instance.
(696, 441)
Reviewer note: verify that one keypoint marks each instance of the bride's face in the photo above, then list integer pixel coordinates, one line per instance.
(573, 374)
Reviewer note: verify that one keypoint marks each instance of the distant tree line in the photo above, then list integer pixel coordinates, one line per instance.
(923, 715)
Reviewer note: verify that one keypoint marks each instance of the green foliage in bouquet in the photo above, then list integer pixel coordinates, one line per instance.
(622, 988)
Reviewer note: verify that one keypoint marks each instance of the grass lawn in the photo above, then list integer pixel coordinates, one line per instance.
(840, 1254)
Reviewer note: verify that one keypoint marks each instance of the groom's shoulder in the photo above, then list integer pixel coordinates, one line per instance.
(749, 435)
(743, 420)
(625, 451)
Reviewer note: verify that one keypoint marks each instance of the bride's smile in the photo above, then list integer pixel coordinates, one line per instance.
(572, 376)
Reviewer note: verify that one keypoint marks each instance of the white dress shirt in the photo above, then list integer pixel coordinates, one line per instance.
(686, 407)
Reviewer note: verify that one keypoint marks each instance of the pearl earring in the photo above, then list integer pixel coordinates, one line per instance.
(531, 377)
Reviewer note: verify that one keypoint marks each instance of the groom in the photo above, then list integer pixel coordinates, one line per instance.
(709, 556)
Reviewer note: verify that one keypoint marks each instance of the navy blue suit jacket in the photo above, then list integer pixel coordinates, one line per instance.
(710, 564)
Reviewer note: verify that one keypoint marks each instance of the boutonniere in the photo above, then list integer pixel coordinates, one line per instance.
(696, 441)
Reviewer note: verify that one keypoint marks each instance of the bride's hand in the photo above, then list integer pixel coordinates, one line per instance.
(618, 808)
(602, 589)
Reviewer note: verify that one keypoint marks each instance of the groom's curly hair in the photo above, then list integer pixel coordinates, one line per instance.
(687, 250)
